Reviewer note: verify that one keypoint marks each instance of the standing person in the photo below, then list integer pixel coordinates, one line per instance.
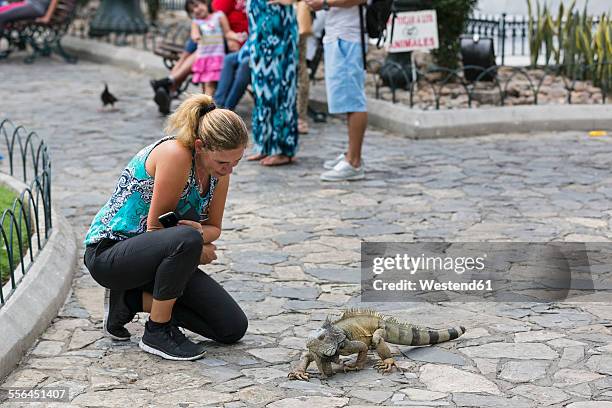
(41, 10)
(146, 267)
(209, 30)
(344, 82)
(304, 18)
(273, 39)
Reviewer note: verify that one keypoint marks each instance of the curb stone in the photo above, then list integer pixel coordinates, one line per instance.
(41, 293)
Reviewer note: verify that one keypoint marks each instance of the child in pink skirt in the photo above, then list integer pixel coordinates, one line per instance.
(209, 29)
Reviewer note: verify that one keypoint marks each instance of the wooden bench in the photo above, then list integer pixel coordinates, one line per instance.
(43, 39)
(170, 44)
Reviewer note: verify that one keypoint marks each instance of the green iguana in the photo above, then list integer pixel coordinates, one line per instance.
(356, 331)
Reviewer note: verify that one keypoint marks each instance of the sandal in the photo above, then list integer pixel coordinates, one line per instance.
(277, 160)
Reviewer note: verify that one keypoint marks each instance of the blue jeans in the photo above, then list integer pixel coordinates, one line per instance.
(235, 77)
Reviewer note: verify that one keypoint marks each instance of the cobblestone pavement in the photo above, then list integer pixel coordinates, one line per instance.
(290, 250)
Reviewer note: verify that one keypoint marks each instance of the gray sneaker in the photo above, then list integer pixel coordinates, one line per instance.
(343, 171)
(330, 164)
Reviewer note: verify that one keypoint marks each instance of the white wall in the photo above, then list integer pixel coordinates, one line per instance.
(520, 6)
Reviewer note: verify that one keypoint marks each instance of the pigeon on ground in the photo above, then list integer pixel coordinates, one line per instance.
(107, 97)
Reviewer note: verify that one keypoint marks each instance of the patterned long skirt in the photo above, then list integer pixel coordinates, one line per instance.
(274, 58)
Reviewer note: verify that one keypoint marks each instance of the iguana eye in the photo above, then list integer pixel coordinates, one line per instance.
(321, 336)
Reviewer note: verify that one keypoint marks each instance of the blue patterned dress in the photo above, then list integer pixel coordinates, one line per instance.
(273, 37)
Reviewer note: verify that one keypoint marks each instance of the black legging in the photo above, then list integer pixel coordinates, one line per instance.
(164, 263)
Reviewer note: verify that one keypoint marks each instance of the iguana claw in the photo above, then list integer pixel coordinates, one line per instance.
(298, 375)
(351, 367)
(386, 366)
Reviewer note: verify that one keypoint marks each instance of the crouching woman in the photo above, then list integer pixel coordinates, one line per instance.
(146, 267)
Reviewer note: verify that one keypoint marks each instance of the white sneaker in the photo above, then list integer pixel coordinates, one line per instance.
(330, 164)
(343, 171)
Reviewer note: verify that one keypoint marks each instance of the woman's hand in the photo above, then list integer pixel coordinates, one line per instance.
(208, 254)
(232, 35)
(193, 224)
(233, 41)
(233, 45)
(281, 2)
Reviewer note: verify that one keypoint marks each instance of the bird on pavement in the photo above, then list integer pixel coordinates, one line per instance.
(107, 97)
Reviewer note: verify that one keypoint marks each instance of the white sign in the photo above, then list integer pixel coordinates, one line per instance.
(414, 30)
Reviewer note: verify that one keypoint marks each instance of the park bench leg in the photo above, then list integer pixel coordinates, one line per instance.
(71, 59)
(36, 51)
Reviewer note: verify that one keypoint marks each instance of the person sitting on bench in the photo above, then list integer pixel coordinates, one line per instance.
(41, 10)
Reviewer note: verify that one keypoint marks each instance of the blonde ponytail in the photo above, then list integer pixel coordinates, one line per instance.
(219, 129)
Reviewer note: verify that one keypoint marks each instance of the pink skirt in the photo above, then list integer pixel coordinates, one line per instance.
(207, 69)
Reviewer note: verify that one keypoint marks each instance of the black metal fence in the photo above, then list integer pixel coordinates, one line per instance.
(176, 32)
(436, 79)
(172, 4)
(26, 226)
(510, 32)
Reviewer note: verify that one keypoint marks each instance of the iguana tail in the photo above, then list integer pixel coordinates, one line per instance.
(409, 335)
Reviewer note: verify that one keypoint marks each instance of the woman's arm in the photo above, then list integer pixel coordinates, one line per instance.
(169, 164)
(212, 227)
(195, 32)
(233, 39)
(227, 31)
(49, 13)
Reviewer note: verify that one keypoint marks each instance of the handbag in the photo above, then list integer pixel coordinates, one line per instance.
(304, 18)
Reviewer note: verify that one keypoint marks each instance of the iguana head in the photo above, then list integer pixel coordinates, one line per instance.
(325, 341)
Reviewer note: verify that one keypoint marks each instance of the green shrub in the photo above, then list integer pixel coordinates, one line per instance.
(581, 49)
(452, 19)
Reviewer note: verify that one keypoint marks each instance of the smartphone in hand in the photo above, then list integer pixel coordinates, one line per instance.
(168, 219)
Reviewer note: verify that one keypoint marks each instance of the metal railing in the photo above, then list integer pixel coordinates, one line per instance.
(26, 226)
(436, 79)
(172, 4)
(511, 32)
(175, 32)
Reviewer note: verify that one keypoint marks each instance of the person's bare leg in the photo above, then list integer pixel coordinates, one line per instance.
(210, 87)
(357, 123)
(177, 66)
(147, 301)
(161, 310)
(180, 72)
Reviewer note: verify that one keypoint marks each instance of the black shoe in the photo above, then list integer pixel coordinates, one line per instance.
(180, 336)
(170, 343)
(116, 315)
(162, 99)
(161, 83)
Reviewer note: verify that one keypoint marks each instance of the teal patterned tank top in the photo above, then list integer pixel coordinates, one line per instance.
(125, 213)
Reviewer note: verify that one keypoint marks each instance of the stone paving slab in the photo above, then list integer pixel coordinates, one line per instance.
(290, 254)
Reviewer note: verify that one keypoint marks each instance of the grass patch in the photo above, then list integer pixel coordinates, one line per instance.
(7, 198)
